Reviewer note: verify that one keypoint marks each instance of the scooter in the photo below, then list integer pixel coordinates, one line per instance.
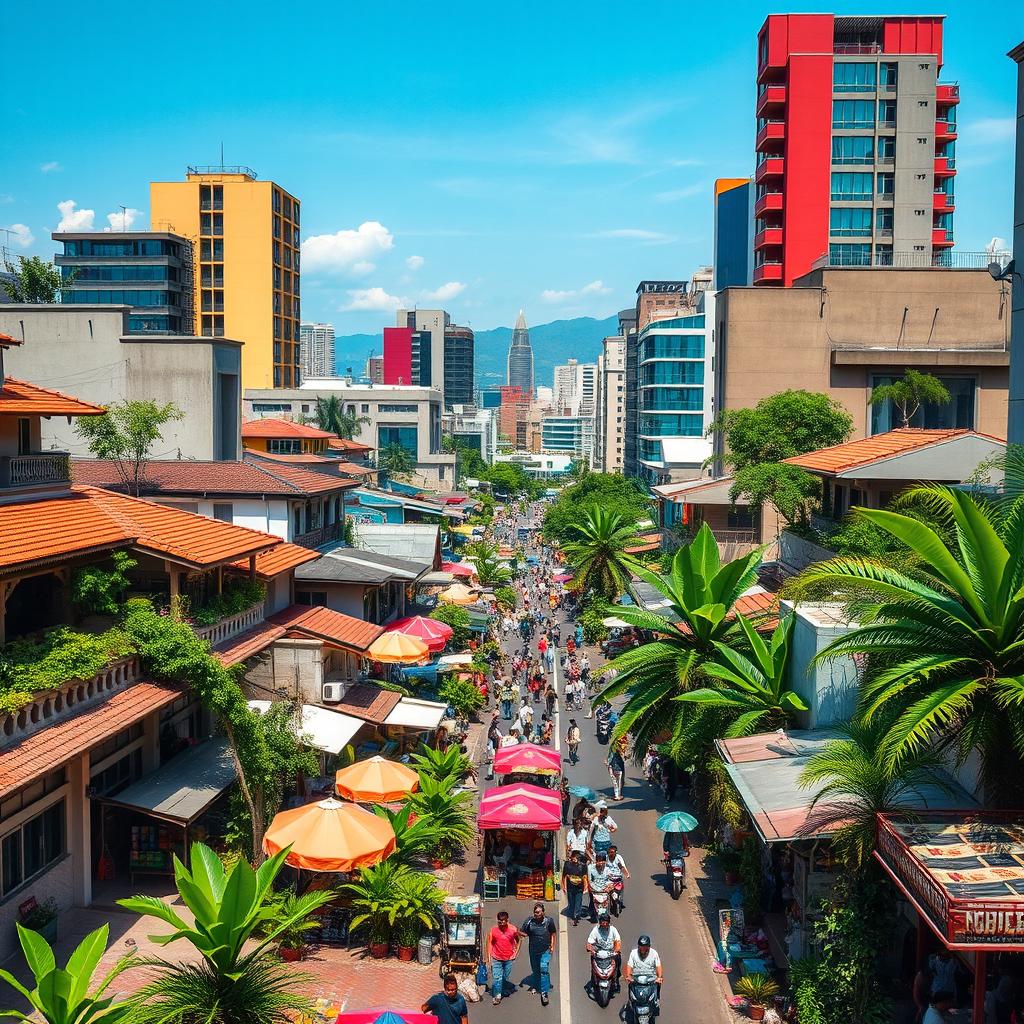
(604, 725)
(615, 898)
(599, 901)
(642, 1003)
(602, 976)
(676, 869)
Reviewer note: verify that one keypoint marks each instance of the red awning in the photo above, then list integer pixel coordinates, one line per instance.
(523, 807)
(527, 757)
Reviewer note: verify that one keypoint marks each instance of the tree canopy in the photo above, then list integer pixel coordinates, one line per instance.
(34, 280)
(909, 393)
(609, 491)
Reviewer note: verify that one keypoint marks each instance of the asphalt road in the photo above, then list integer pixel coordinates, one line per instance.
(691, 993)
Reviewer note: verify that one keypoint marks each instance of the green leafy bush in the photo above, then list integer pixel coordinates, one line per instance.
(99, 591)
(238, 595)
(462, 694)
(62, 655)
(456, 617)
(506, 598)
(594, 630)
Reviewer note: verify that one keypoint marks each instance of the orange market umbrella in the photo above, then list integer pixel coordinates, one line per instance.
(458, 593)
(397, 649)
(376, 781)
(330, 836)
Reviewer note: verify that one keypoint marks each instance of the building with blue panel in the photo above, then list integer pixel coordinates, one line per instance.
(734, 233)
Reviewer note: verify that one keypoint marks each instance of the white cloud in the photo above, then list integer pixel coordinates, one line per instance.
(555, 297)
(415, 262)
(686, 192)
(641, 234)
(445, 292)
(51, 165)
(122, 221)
(72, 219)
(6, 197)
(348, 250)
(375, 300)
(990, 130)
(21, 235)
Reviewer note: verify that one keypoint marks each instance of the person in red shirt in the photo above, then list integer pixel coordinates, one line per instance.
(502, 949)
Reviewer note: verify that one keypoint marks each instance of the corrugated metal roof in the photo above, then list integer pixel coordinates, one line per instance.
(353, 565)
(418, 542)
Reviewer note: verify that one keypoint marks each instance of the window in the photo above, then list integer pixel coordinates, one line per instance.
(853, 114)
(675, 399)
(887, 76)
(886, 184)
(396, 408)
(886, 149)
(407, 437)
(846, 221)
(671, 425)
(887, 113)
(24, 435)
(883, 258)
(284, 446)
(365, 408)
(851, 186)
(672, 346)
(31, 849)
(853, 149)
(883, 218)
(849, 254)
(223, 510)
(271, 406)
(311, 598)
(672, 373)
(957, 413)
(853, 77)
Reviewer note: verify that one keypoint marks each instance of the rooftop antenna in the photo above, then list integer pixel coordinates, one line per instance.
(124, 217)
(222, 152)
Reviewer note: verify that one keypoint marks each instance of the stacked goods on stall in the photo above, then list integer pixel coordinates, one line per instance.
(151, 848)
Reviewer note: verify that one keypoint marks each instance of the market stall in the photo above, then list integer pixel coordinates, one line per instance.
(530, 764)
(519, 825)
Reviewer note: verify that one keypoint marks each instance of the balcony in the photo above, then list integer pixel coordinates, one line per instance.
(945, 166)
(34, 469)
(768, 236)
(942, 237)
(770, 131)
(770, 168)
(945, 130)
(768, 273)
(947, 93)
(320, 535)
(943, 203)
(770, 202)
(231, 626)
(770, 96)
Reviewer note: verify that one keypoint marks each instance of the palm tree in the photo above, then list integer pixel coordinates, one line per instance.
(395, 462)
(489, 567)
(232, 982)
(449, 812)
(946, 647)
(330, 415)
(597, 553)
(700, 593)
(856, 782)
(752, 694)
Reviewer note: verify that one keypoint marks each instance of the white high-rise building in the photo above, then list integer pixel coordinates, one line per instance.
(316, 350)
(610, 431)
(576, 388)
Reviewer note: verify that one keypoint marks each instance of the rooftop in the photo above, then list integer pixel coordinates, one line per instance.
(330, 626)
(351, 565)
(277, 560)
(418, 542)
(20, 398)
(282, 428)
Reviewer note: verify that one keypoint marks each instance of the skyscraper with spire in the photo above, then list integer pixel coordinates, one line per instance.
(520, 358)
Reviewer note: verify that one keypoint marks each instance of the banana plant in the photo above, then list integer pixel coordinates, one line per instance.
(229, 906)
(61, 995)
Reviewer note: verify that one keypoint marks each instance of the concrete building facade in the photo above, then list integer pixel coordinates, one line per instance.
(245, 234)
(89, 350)
(316, 350)
(844, 331)
(611, 405)
(408, 416)
(427, 346)
(459, 344)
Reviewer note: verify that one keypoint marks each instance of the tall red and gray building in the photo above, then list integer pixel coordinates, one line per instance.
(855, 145)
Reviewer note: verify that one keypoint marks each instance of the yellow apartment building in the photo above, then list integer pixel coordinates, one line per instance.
(245, 235)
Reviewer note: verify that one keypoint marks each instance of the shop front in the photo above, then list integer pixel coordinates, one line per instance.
(963, 873)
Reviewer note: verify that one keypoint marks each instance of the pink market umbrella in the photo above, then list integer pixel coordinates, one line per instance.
(527, 757)
(562, 577)
(521, 806)
(433, 633)
(458, 569)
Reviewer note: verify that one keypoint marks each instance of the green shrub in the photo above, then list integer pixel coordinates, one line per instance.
(506, 598)
(238, 595)
(594, 630)
(99, 591)
(62, 655)
(462, 694)
(456, 617)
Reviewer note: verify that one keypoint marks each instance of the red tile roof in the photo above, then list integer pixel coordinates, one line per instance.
(299, 458)
(354, 470)
(246, 477)
(277, 560)
(245, 645)
(345, 444)
(20, 398)
(57, 744)
(842, 457)
(330, 626)
(6, 341)
(369, 702)
(648, 542)
(282, 428)
(51, 529)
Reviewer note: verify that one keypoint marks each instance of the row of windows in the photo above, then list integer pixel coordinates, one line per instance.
(285, 204)
(679, 399)
(282, 229)
(131, 247)
(671, 425)
(120, 273)
(119, 297)
(157, 324)
(672, 373)
(859, 186)
(282, 445)
(860, 149)
(672, 346)
(858, 254)
(848, 76)
(211, 224)
(284, 279)
(406, 437)
(286, 304)
(861, 113)
(396, 408)
(211, 197)
(32, 849)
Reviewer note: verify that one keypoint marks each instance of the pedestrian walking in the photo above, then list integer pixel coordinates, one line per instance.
(503, 942)
(574, 885)
(540, 932)
(617, 770)
(578, 836)
(566, 799)
(449, 1005)
(572, 741)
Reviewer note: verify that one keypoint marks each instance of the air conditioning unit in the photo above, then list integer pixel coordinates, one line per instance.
(332, 693)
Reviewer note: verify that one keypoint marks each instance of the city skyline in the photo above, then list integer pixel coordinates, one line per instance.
(510, 185)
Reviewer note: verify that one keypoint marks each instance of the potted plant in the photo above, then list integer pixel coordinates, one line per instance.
(407, 936)
(292, 939)
(730, 861)
(373, 897)
(42, 918)
(417, 901)
(757, 988)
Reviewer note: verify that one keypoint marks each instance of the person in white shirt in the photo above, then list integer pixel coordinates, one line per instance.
(604, 937)
(511, 739)
(576, 839)
(939, 1011)
(619, 872)
(601, 829)
(644, 964)
(526, 718)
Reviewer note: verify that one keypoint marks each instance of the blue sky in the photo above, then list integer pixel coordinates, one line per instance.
(484, 157)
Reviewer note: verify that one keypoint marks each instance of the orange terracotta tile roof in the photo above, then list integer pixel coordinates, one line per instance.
(328, 625)
(648, 542)
(345, 444)
(58, 528)
(351, 467)
(245, 645)
(842, 457)
(20, 398)
(246, 477)
(282, 428)
(278, 560)
(6, 341)
(299, 458)
(54, 746)
(177, 534)
(369, 702)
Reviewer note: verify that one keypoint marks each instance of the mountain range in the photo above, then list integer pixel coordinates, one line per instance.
(553, 344)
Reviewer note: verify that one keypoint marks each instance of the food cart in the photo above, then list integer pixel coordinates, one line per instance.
(519, 825)
(461, 934)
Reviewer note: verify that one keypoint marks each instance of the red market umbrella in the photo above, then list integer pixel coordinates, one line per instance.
(527, 757)
(562, 577)
(521, 806)
(458, 569)
(433, 633)
(381, 1016)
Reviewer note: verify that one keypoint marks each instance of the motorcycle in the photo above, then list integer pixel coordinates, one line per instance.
(604, 726)
(602, 976)
(642, 1003)
(599, 901)
(676, 868)
(615, 898)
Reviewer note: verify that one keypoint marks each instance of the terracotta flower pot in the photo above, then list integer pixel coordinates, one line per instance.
(289, 955)
(406, 952)
(732, 877)
(756, 1011)
(379, 950)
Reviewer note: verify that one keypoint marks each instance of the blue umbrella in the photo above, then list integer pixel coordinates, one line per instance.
(584, 791)
(676, 821)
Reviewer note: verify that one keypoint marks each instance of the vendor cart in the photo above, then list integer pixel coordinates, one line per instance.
(461, 934)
